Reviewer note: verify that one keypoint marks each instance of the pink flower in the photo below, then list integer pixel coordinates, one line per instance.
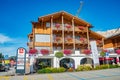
(118, 51)
(67, 51)
(87, 51)
(82, 39)
(33, 51)
(68, 26)
(44, 51)
(57, 38)
(57, 26)
(105, 50)
(81, 27)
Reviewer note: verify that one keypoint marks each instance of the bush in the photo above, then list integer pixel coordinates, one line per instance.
(51, 70)
(113, 66)
(61, 69)
(84, 68)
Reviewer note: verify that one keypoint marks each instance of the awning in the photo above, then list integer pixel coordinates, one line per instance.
(101, 59)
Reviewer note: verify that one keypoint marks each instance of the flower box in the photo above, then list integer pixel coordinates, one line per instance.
(69, 39)
(118, 51)
(81, 27)
(33, 51)
(68, 26)
(57, 38)
(44, 51)
(57, 26)
(67, 51)
(82, 39)
(99, 41)
(87, 52)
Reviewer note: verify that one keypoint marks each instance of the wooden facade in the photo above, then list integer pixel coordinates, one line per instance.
(66, 32)
(113, 41)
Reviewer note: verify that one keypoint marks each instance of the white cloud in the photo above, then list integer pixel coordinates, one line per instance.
(9, 46)
(4, 38)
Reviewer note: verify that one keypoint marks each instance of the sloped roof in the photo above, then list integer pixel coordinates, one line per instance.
(66, 14)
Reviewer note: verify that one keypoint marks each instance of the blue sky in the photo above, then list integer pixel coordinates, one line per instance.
(16, 15)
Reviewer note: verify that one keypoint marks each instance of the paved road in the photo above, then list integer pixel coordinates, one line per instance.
(108, 74)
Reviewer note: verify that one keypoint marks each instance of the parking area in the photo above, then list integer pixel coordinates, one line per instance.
(107, 74)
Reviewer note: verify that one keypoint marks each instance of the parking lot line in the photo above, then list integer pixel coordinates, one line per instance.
(50, 77)
(4, 78)
(77, 77)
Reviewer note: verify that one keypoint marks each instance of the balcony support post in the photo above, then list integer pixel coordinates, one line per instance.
(51, 38)
(73, 26)
(63, 30)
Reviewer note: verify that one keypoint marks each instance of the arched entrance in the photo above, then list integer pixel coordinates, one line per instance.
(67, 63)
(86, 61)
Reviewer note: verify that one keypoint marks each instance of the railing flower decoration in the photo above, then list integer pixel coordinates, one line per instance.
(44, 51)
(57, 25)
(33, 51)
(81, 27)
(69, 39)
(87, 51)
(57, 38)
(82, 39)
(99, 41)
(68, 26)
(67, 51)
(118, 51)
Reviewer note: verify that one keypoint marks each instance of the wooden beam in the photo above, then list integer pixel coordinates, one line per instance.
(88, 37)
(63, 29)
(73, 33)
(51, 38)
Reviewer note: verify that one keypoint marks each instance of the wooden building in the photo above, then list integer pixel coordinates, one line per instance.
(60, 31)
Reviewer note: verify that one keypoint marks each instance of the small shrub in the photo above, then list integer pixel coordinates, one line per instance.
(51, 70)
(61, 69)
(113, 66)
(80, 68)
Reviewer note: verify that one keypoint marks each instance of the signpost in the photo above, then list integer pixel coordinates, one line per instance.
(21, 60)
(94, 53)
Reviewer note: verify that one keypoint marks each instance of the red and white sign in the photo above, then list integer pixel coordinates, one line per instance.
(21, 52)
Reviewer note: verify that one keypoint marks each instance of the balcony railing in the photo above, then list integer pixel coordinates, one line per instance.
(80, 29)
(68, 40)
(58, 40)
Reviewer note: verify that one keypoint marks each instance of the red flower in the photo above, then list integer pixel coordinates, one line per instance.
(67, 52)
(118, 51)
(33, 51)
(44, 51)
(69, 38)
(87, 51)
(57, 26)
(68, 26)
(99, 41)
(81, 27)
(105, 50)
(57, 38)
(82, 39)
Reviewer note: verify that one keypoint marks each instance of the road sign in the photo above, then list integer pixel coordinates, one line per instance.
(6, 57)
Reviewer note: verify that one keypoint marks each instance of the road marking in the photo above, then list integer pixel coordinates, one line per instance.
(77, 77)
(50, 77)
(4, 77)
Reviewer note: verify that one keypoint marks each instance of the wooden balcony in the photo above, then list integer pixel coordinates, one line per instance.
(69, 40)
(57, 40)
(57, 29)
(68, 29)
(77, 29)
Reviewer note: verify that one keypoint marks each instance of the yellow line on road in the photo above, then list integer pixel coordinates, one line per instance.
(50, 77)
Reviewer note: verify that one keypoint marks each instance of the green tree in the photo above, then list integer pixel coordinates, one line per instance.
(58, 54)
(102, 53)
(1, 56)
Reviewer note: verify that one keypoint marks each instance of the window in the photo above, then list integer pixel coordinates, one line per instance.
(47, 24)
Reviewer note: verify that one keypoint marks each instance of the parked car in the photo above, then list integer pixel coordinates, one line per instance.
(4, 67)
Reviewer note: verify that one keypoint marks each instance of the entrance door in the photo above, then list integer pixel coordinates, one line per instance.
(43, 63)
